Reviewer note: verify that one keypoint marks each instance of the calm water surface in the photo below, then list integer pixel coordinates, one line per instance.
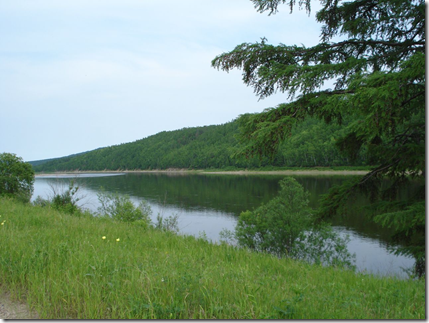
(206, 204)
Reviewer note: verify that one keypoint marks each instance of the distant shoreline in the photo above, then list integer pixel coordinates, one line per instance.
(293, 172)
(233, 172)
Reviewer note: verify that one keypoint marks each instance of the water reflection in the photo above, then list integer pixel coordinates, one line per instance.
(209, 203)
(371, 255)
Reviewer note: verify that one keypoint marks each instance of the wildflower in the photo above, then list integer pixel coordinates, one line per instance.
(117, 240)
(3, 222)
(104, 237)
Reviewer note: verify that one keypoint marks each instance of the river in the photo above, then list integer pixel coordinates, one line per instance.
(208, 203)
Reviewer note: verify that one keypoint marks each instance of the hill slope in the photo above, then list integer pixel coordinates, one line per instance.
(312, 144)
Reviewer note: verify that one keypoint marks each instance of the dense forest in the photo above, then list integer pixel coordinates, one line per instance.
(312, 143)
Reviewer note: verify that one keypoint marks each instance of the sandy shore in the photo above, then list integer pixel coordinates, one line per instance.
(294, 172)
(239, 172)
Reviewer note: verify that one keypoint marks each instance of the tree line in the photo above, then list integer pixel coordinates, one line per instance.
(312, 143)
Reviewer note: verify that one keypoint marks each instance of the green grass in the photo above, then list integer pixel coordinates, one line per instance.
(61, 266)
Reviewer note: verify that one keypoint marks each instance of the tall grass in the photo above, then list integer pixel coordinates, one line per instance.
(64, 269)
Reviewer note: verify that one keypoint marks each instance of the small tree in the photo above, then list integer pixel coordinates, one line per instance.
(16, 177)
(285, 227)
(276, 226)
(67, 200)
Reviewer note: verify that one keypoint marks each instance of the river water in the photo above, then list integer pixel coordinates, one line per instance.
(206, 204)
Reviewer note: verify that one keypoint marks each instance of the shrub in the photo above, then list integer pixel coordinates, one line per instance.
(275, 226)
(170, 223)
(16, 177)
(66, 201)
(285, 227)
(121, 208)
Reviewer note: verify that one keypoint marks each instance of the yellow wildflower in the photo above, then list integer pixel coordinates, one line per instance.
(118, 240)
(104, 237)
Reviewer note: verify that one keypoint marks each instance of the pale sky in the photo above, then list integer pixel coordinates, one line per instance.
(76, 75)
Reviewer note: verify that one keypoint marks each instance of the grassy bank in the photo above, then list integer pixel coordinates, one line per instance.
(63, 268)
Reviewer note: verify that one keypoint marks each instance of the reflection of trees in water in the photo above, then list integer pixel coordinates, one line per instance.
(231, 194)
(228, 193)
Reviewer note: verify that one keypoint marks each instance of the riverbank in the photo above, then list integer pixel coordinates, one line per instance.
(286, 172)
(68, 267)
(315, 172)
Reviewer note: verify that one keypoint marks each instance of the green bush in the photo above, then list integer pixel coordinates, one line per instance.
(121, 208)
(276, 226)
(67, 200)
(285, 227)
(170, 223)
(16, 177)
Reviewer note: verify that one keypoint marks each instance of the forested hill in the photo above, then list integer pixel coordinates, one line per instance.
(311, 144)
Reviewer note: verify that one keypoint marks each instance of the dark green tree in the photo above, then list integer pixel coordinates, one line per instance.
(16, 177)
(285, 227)
(378, 73)
(276, 226)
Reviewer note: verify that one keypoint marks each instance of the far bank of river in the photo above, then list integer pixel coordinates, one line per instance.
(315, 172)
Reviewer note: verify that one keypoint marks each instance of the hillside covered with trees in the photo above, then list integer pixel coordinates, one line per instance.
(312, 143)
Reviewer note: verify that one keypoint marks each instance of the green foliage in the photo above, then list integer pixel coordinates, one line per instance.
(275, 226)
(40, 201)
(67, 200)
(410, 230)
(322, 245)
(285, 227)
(378, 97)
(121, 208)
(170, 223)
(16, 177)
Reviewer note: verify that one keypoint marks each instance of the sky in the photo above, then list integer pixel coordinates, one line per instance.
(77, 75)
